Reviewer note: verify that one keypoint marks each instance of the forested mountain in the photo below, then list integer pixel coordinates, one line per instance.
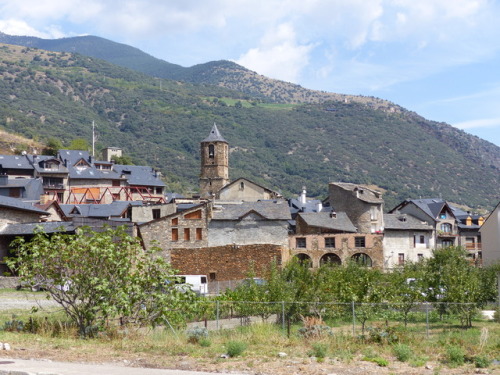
(283, 146)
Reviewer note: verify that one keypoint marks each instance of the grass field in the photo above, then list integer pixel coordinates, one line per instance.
(384, 349)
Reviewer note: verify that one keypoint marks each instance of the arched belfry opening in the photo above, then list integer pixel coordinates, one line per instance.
(214, 164)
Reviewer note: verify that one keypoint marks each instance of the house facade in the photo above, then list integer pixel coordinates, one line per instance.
(490, 233)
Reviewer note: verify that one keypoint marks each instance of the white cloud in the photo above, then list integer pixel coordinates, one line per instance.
(278, 55)
(478, 123)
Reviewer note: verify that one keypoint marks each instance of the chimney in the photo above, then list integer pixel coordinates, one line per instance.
(333, 215)
(303, 199)
(319, 206)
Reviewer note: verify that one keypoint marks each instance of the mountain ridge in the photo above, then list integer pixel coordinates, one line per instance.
(284, 146)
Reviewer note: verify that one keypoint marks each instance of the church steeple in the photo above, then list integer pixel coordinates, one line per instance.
(214, 163)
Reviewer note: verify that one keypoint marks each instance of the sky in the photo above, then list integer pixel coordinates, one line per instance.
(438, 58)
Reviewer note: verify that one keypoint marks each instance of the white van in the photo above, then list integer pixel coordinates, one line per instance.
(197, 283)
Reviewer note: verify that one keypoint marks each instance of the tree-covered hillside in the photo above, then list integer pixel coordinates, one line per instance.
(283, 146)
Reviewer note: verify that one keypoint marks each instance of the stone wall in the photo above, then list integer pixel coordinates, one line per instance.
(11, 216)
(227, 262)
(344, 247)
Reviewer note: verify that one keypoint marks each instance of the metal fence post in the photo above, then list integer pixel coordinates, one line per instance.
(427, 320)
(283, 315)
(353, 319)
(217, 314)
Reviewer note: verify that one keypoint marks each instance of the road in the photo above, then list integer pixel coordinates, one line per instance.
(36, 367)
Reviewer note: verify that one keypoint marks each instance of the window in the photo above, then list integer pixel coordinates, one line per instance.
(115, 183)
(447, 243)
(359, 242)
(187, 234)
(362, 259)
(156, 213)
(159, 190)
(446, 227)
(175, 221)
(211, 151)
(242, 186)
(199, 234)
(212, 276)
(420, 257)
(401, 259)
(300, 243)
(442, 215)
(175, 234)
(422, 239)
(330, 242)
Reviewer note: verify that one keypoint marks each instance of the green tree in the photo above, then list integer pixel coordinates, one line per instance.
(79, 144)
(53, 146)
(122, 160)
(99, 276)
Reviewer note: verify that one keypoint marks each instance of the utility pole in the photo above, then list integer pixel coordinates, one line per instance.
(93, 138)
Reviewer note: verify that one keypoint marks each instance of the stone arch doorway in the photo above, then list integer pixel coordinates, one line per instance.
(330, 259)
(304, 259)
(362, 259)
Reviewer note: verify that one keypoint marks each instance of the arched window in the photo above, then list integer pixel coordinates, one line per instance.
(330, 259)
(211, 151)
(304, 259)
(362, 259)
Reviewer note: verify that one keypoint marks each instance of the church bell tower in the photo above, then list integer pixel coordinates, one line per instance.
(214, 164)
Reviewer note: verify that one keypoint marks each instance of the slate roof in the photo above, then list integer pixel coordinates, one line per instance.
(339, 222)
(114, 209)
(368, 198)
(15, 162)
(90, 172)
(33, 187)
(214, 136)
(138, 175)
(26, 229)
(399, 221)
(18, 204)
(270, 210)
(38, 160)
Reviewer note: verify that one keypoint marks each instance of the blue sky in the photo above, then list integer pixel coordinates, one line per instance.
(439, 58)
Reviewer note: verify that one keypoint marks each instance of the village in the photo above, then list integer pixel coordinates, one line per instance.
(232, 226)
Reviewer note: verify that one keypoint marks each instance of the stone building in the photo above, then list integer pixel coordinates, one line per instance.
(244, 190)
(214, 164)
(363, 206)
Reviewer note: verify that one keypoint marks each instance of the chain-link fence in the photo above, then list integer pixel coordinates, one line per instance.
(351, 318)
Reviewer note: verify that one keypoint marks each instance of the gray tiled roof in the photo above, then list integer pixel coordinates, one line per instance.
(90, 172)
(15, 162)
(38, 160)
(339, 221)
(138, 175)
(19, 205)
(399, 221)
(214, 136)
(114, 209)
(48, 227)
(33, 187)
(371, 197)
(270, 210)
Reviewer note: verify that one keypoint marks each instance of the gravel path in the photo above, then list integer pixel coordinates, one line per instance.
(21, 300)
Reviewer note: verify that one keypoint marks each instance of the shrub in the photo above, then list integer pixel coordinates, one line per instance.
(196, 334)
(382, 362)
(482, 362)
(319, 350)
(383, 335)
(13, 325)
(205, 342)
(235, 348)
(402, 352)
(456, 356)
(314, 327)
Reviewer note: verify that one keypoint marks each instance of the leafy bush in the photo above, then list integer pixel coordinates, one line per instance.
(13, 325)
(196, 334)
(382, 362)
(402, 352)
(482, 361)
(383, 335)
(456, 356)
(204, 342)
(319, 350)
(235, 348)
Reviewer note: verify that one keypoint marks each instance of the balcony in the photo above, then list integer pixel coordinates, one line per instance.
(53, 186)
(441, 233)
(473, 246)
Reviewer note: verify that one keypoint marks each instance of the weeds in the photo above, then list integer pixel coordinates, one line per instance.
(402, 352)
(319, 350)
(456, 356)
(235, 348)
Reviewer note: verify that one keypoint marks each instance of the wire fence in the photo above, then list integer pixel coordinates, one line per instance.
(353, 318)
